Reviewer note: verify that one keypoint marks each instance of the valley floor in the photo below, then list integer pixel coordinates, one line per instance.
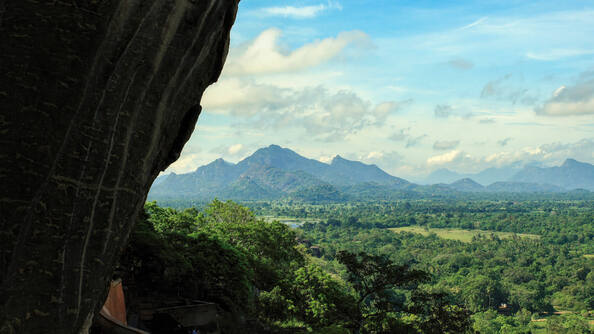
(461, 234)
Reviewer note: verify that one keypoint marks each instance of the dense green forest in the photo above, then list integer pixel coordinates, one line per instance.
(344, 270)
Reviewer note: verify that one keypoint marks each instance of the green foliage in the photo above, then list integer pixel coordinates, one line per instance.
(369, 279)
(489, 322)
(195, 266)
(485, 274)
(274, 306)
(437, 312)
(319, 298)
(168, 220)
(229, 212)
(482, 293)
(568, 324)
(226, 255)
(375, 278)
(270, 248)
(324, 193)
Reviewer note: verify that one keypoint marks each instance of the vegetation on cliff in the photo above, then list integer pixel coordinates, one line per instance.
(262, 271)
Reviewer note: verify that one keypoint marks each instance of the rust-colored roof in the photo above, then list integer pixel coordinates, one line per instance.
(115, 305)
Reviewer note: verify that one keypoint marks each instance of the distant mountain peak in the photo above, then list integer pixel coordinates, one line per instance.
(572, 174)
(272, 171)
(220, 162)
(467, 184)
(340, 160)
(572, 162)
(273, 150)
(466, 180)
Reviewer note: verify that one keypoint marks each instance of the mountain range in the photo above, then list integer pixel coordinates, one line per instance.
(572, 174)
(484, 177)
(274, 172)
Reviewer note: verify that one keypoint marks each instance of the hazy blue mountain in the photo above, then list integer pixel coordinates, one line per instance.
(279, 180)
(348, 172)
(571, 174)
(339, 172)
(495, 174)
(484, 177)
(523, 187)
(215, 175)
(271, 172)
(160, 178)
(274, 172)
(443, 175)
(246, 188)
(282, 158)
(466, 185)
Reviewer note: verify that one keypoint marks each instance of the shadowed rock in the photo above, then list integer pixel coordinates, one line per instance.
(97, 97)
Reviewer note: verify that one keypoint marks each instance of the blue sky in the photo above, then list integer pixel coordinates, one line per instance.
(411, 86)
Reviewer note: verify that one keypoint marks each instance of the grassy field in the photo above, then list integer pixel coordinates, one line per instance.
(290, 220)
(459, 234)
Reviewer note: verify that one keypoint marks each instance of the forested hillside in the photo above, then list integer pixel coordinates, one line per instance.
(262, 276)
(345, 270)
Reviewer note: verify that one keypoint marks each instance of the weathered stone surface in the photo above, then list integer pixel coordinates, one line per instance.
(96, 98)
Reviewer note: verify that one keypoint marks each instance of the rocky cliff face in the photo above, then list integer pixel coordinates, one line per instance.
(96, 98)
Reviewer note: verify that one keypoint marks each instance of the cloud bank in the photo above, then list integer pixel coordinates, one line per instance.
(446, 145)
(303, 12)
(573, 100)
(265, 54)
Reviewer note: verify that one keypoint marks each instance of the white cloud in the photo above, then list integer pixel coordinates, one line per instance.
(375, 155)
(571, 100)
(550, 154)
(503, 89)
(558, 91)
(504, 142)
(557, 54)
(475, 23)
(325, 159)
(265, 55)
(186, 163)
(566, 108)
(325, 115)
(387, 160)
(386, 108)
(242, 96)
(235, 149)
(445, 158)
(299, 12)
(404, 135)
(400, 135)
(445, 144)
(443, 111)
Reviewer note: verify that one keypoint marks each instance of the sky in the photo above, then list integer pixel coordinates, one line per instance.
(411, 86)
